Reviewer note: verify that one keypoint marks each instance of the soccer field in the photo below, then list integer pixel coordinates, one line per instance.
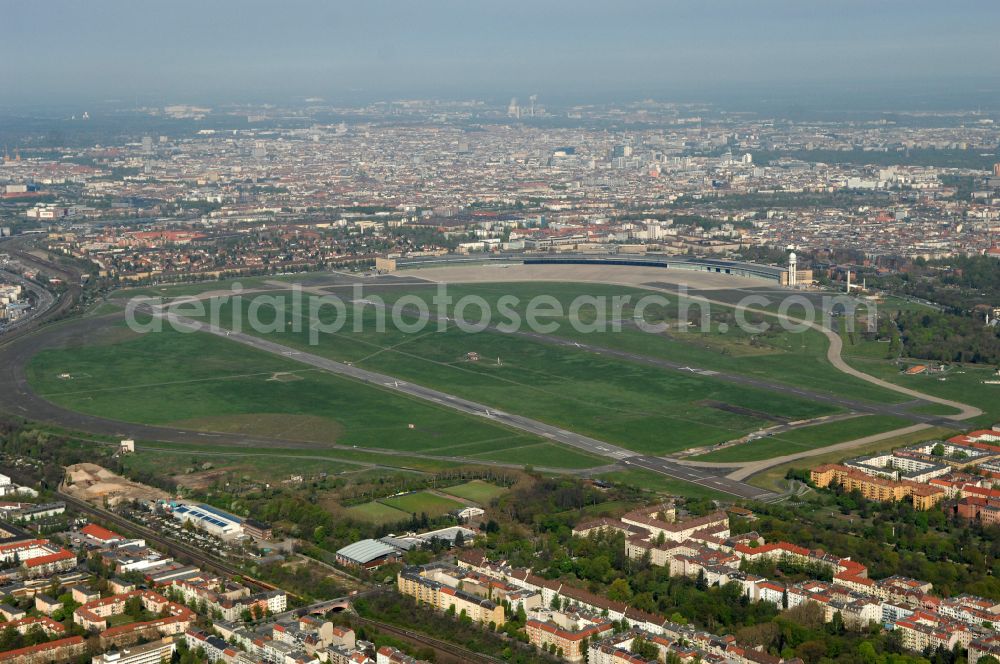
(422, 502)
(476, 490)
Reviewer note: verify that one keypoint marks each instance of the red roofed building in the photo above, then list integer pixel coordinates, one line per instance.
(94, 616)
(565, 631)
(44, 653)
(978, 508)
(53, 563)
(24, 625)
(101, 534)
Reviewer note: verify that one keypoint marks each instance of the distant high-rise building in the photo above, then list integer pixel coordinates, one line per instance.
(996, 169)
(622, 150)
(513, 110)
(147, 145)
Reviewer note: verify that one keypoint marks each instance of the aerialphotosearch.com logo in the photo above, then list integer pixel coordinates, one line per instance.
(318, 315)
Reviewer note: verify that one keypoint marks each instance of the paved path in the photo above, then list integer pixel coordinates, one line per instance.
(746, 470)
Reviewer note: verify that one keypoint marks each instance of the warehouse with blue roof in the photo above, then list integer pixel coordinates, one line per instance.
(210, 519)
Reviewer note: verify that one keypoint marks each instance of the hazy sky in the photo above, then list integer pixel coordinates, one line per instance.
(213, 50)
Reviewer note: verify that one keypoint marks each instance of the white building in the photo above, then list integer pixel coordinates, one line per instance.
(149, 653)
(209, 519)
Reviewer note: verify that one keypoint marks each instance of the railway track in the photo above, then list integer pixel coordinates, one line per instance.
(61, 304)
(208, 563)
(177, 549)
(451, 652)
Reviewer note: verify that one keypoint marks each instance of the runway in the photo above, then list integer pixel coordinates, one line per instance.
(15, 393)
(704, 477)
(902, 410)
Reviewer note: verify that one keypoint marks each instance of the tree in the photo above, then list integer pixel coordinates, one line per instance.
(644, 649)
(837, 623)
(811, 652)
(133, 607)
(619, 591)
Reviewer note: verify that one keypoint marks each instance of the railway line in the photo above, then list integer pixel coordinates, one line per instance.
(174, 548)
(448, 653)
(60, 304)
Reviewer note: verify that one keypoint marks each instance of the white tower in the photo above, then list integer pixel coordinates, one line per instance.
(793, 273)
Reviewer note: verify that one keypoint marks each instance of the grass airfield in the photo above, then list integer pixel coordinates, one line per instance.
(208, 384)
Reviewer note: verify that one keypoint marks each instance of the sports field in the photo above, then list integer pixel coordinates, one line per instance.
(422, 502)
(477, 491)
(377, 513)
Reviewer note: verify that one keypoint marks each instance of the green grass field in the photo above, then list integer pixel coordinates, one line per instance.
(806, 438)
(306, 460)
(476, 491)
(210, 384)
(789, 357)
(962, 383)
(647, 479)
(170, 377)
(256, 465)
(376, 513)
(625, 403)
(421, 502)
(181, 290)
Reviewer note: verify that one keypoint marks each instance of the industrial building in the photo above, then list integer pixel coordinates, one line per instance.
(368, 553)
(211, 520)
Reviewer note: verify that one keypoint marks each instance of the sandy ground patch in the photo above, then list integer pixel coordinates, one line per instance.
(305, 428)
(94, 484)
